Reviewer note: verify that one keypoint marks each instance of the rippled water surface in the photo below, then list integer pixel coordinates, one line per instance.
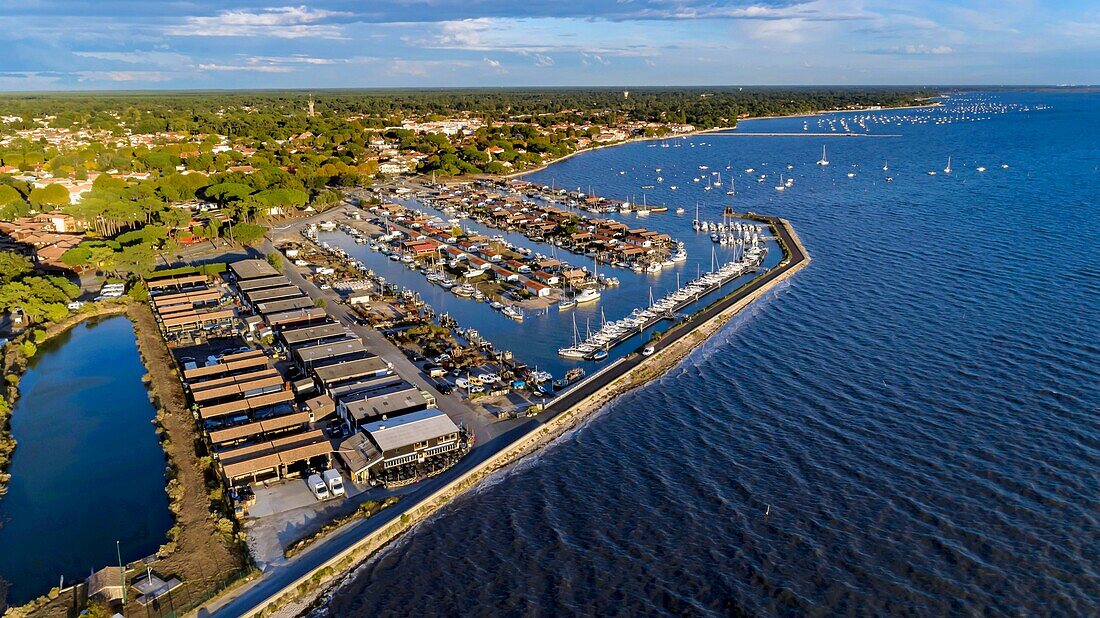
(909, 427)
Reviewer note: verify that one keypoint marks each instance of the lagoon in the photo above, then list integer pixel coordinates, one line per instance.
(88, 469)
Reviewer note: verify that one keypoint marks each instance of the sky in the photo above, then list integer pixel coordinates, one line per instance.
(202, 44)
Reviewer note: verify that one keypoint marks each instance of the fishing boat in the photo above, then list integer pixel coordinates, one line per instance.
(680, 210)
(496, 305)
(513, 313)
(566, 303)
(599, 355)
(823, 160)
(981, 169)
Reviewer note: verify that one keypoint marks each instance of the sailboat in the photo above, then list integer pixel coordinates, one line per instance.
(886, 166)
(947, 170)
(575, 351)
(823, 161)
(780, 186)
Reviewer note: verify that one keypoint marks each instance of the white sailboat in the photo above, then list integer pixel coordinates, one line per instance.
(886, 166)
(824, 160)
(947, 170)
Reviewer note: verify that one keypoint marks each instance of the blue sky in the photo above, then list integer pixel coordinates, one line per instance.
(132, 44)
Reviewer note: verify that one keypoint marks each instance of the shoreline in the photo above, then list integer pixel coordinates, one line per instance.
(543, 166)
(572, 408)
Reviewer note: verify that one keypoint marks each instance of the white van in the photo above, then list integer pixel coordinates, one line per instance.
(334, 482)
(318, 487)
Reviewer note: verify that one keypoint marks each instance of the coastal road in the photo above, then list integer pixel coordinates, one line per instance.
(272, 582)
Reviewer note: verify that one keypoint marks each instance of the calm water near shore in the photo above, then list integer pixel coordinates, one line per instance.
(909, 427)
(88, 469)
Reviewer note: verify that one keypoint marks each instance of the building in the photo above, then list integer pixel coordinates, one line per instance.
(401, 449)
(252, 269)
(357, 406)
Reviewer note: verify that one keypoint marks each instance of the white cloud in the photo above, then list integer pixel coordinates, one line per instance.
(159, 58)
(288, 22)
(310, 60)
(917, 50)
(123, 76)
(250, 68)
(494, 65)
(543, 61)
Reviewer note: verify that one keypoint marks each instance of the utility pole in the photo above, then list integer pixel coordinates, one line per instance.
(121, 571)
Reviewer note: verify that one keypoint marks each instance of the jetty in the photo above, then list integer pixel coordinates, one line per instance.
(614, 333)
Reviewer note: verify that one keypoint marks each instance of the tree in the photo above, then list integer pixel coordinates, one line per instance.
(29, 349)
(13, 265)
(275, 259)
(320, 302)
(49, 197)
(248, 233)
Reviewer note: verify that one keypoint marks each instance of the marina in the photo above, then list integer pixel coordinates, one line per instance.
(614, 333)
(860, 423)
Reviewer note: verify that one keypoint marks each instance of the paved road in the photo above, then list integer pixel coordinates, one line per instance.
(482, 425)
(273, 581)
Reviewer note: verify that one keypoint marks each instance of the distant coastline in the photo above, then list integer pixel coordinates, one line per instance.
(633, 140)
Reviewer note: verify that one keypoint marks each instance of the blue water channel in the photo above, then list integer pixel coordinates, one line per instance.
(88, 469)
(537, 339)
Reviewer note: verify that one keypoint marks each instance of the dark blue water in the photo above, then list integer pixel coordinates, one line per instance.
(910, 427)
(88, 469)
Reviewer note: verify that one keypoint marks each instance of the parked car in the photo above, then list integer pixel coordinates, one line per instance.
(476, 389)
(648, 351)
(462, 383)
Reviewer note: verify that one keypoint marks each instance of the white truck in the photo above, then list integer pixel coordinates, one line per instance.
(318, 487)
(334, 482)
